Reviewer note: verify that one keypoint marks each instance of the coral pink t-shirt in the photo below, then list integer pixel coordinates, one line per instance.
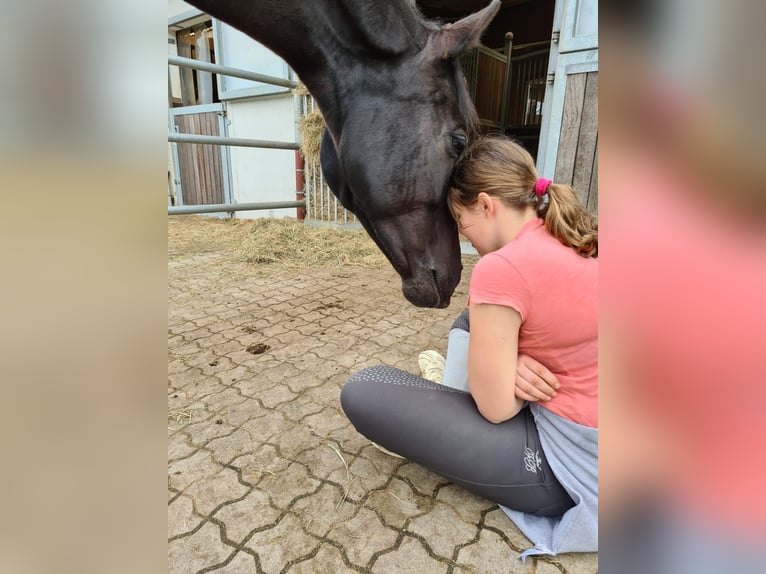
(555, 291)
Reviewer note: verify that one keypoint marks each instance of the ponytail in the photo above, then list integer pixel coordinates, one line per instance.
(568, 221)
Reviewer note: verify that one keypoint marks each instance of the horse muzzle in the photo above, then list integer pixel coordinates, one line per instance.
(423, 248)
(432, 286)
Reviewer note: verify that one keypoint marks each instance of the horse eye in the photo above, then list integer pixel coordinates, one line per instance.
(458, 142)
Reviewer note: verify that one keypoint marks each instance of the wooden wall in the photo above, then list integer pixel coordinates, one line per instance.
(577, 159)
(489, 87)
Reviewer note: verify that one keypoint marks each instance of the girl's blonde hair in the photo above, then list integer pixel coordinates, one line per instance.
(503, 169)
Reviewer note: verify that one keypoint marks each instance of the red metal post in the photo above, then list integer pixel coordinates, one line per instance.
(300, 183)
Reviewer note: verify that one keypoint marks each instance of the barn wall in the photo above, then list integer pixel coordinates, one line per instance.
(576, 161)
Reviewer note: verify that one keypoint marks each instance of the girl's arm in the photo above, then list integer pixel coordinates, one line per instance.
(492, 357)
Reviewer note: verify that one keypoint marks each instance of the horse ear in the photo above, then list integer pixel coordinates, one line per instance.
(451, 40)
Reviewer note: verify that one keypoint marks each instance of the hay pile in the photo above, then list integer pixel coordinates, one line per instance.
(272, 245)
(190, 234)
(290, 244)
(311, 128)
(301, 89)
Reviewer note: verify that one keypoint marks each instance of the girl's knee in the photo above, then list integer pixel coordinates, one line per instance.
(354, 396)
(368, 375)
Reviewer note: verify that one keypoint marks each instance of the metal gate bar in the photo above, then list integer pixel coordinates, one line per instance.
(227, 71)
(221, 207)
(225, 141)
(237, 142)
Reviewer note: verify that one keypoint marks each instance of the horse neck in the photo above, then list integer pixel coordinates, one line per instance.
(325, 40)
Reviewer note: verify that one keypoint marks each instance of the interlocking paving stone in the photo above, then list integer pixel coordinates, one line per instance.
(241, 563)
(212, 427)
(228, 447)
(362, 536)
(264, 425)
(223, 400)
(327, 561)
(202, 549)
(181, 517)
(239, 415)
(442, 528)
(289, 483)
(573, 563)
(326, 422)
(186, 471)
(250, 513)
(498, 520)
(326, 461)
(323, 510)
(210, 493)
(300, 408)
(468, 505)
(178, 447)
(263, 463)
(411, 556)
(423, 480)
(366, 477)
(258, 445)
(490, 555)
(284, 543)
(396, 503)
(276, 395)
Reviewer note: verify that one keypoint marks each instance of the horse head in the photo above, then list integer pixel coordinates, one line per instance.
(390, 148)
(398, 114)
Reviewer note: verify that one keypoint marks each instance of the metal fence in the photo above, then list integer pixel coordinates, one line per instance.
(507, 92)
(241, 142)
(322, 207)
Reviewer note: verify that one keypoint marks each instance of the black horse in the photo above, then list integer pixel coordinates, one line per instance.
(398, 114)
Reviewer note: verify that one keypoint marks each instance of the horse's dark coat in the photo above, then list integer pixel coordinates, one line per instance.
(397, 110)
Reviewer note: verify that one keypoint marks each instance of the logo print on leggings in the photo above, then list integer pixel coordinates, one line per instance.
(532, 460)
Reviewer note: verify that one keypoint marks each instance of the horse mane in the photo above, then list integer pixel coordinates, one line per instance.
(387, 28)
(464, 102)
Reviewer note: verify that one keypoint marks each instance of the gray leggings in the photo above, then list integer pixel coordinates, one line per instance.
(440, 428)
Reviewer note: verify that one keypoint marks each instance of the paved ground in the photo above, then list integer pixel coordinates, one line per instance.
(265, 474)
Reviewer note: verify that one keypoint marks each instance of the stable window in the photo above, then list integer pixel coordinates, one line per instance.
(190, 87)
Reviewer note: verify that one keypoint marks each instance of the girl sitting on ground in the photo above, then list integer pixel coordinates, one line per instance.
(533, 292)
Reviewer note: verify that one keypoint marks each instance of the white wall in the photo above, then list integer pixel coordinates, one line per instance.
(260, 175)
(176, 7)
(238, 50)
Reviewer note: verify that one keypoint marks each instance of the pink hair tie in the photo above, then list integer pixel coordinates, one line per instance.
(541, 187)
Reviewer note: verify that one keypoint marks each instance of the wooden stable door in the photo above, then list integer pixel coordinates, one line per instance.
(577, 157)
(568, 150)
(201, 168)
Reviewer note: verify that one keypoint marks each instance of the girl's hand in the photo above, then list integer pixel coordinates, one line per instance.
(533, 381)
